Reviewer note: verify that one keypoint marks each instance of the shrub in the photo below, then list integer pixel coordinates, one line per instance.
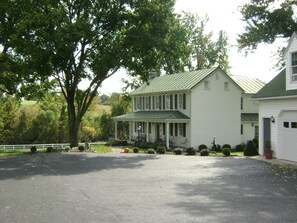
(49, 149)
(135, 150)
(150, 151)
(177, 151)
(146, 145)
(119, 143)
(227, 146)
(226, 151)
(250, 149)
(201, 147)
(217, 148)
(67, 149)
(240, 147)
(161, 150)
(191, 151)
(204, 152)
(81, 148)
(256, 142)
(33, 149)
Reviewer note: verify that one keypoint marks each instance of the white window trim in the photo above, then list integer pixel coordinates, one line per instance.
(293, 75)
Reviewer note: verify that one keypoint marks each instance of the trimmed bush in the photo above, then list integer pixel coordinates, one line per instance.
(161, 150)
(146, 145)
(201, 147)
(135, 150)
(216, 148)
(81, 148)
(227, 146)
(226, 151)
(204, 152)
(177, 151)
(150, 151)
(49, 149)
(239, 148)
(191, 151)
(250, 149)
(33, 149)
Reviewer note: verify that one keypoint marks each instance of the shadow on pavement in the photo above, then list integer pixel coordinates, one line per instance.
(240, 190)
(25, 166)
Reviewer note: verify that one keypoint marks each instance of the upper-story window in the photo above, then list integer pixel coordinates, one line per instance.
(294, 66)
(206, 85)
(147, 103)
(157, 100)
(182, 101)
(226, 86)
(138, 103)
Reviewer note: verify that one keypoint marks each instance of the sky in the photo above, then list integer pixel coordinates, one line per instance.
(223, 15)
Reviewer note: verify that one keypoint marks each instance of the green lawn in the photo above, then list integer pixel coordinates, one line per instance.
(15, 152)
(102, 148)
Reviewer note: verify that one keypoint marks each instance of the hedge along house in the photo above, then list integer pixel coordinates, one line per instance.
(249, 128)
(186, 109)
(278, 109)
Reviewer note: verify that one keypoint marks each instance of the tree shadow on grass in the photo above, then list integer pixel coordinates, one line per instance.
(26, 166)
(240, 190)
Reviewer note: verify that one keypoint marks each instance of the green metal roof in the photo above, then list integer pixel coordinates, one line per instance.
(249, 117)
(248, 84)
(154, 116)
(174, 82)
(276, 88)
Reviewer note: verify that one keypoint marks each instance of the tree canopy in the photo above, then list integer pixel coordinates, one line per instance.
(66, 42)
(267, 20)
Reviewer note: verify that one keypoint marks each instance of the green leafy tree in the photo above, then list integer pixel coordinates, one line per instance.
(70, 41)
(204, 52)
(267, 20)
(9, 108)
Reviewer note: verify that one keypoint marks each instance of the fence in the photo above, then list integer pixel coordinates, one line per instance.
(43, 146)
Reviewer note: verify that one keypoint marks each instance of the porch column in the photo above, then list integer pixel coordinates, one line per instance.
(167, 135)
(130, 126)
(147, 131)
(116, 130)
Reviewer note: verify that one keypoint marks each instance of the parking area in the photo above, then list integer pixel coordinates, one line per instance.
(87, 187)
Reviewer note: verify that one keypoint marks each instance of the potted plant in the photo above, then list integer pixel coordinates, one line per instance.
(267, 150)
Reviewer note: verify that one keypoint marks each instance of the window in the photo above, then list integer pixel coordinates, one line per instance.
(157, 99)
(294, 66)
(163, 102)
(168, 101)
(135, 102)
(182, 129)
(241, 103)
(226, 86)
(206, 85)
(147, 103)
(160, 102)
(294, 125)
(150, 127)
(164, 129)
(138, 103)
(153, 98)
(256, 132)
(171, 101)
(286, 124)
(175, 101)
(182, 101)
(171, 129)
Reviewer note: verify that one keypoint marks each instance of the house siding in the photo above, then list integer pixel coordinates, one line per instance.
(293, 48)
(215, 112)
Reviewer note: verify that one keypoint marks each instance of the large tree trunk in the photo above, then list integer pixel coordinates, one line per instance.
(74, 121)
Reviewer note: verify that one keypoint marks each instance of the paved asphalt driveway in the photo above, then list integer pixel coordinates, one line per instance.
(85, 187)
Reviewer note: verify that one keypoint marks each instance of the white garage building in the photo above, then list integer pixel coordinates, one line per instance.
(278, 109)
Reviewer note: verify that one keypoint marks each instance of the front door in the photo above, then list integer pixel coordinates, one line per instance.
(267, 132)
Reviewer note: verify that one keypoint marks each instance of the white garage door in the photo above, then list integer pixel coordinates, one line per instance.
(288, 131)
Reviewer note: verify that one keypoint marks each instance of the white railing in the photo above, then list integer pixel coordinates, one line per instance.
(43, 146)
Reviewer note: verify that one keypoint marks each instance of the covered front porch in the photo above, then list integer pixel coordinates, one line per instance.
(168, 127)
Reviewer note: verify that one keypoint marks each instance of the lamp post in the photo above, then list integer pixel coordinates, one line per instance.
(138, 130)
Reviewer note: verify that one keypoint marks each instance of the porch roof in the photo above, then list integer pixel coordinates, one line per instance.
(154, 116)
(249, 117)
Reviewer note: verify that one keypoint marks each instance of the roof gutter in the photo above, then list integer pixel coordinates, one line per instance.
(274, 98)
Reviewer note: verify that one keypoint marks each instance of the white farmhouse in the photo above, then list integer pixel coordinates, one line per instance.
(188, 109)
(249, 128)
(278, 109)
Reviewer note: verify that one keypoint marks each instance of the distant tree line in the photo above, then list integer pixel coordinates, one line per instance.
(45, 120)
